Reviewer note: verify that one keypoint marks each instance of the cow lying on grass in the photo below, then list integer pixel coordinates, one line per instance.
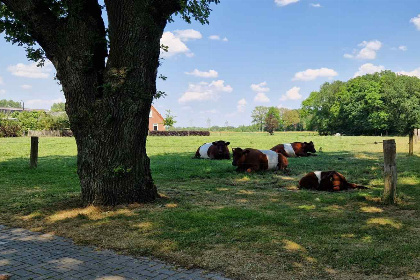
(215, 150)
(326, 181)
(296, 149)
(255, 160)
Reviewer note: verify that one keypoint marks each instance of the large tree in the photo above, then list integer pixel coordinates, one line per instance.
(258, 116)
(272, 119)
(368, 105)
(108, 75)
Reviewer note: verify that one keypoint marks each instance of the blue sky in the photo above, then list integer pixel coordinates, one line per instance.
(262, 52)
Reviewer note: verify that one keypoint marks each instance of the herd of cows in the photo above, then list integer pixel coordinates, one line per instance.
(250, 160)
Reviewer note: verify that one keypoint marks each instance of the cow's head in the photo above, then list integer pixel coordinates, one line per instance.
(309, 147)
(222, 148)
(238, 155)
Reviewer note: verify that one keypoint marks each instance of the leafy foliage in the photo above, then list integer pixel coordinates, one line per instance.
(272, 120)
(258, 116)
(40, 120)
(58, 107)
(169, 120)
(16, 32)
(9, 128)
(197, 9)
(287, 119)
(368, 105)
(10, 104)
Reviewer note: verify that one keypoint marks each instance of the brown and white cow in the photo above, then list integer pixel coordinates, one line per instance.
(326, 181)
(214, 150)
(255, 160)
(295, 149)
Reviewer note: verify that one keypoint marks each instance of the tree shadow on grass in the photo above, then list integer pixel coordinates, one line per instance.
(216, 207)
(56, 178)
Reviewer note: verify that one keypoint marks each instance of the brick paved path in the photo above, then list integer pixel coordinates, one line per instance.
(30, 255)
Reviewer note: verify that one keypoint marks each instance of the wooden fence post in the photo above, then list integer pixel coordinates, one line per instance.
(411, 143)
(34, 152)
(390, 172)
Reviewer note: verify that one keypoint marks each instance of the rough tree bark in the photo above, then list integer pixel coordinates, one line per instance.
(108, 103)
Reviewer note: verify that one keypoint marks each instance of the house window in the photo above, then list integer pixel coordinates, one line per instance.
(155, 127)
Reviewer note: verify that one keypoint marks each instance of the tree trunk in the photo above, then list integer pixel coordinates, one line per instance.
(108, 101)
(112, 162)
(109, 109)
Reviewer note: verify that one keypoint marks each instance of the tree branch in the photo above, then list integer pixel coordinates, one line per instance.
(39, 20)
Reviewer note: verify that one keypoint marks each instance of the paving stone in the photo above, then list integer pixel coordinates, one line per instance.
(33, 255)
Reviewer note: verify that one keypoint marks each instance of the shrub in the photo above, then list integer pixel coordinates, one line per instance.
(9, 128)
(66, 133)
(179, 133)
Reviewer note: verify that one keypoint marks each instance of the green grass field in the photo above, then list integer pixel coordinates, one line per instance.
(250, 226)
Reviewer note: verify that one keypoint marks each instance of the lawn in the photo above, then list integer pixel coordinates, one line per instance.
(249, 226)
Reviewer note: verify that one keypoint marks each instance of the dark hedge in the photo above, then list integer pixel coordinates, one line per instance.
(179, 133)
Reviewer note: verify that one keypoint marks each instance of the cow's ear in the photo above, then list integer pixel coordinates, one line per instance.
(214, 143)
(227, 143)
(311, 142)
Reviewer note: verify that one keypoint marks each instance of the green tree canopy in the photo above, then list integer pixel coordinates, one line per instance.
(368, 105)
(10, 104)
(169, 120)
(108, 76)
(272, 119)
(58, 107)
(258, 116)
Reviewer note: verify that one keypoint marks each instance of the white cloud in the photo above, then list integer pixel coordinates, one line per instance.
(261, 87)
(312, 74)
(204, 91)
(1, 80)
(212, 111)
(214, 37)
(317, 5)
(203, 74)
(414, 73)
(2, 91)
(416, 21)
(26, 86)
(31, 70)
(369, 68)
(41, 103)
(403, 48)
(368, 51)
(291, 94)
(218, 38)
(175, 42)
(261, 98)
(241, 105)
(187, 34)
(283, 3)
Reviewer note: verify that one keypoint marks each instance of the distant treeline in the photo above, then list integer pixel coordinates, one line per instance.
(367, 105)
(241, 128)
